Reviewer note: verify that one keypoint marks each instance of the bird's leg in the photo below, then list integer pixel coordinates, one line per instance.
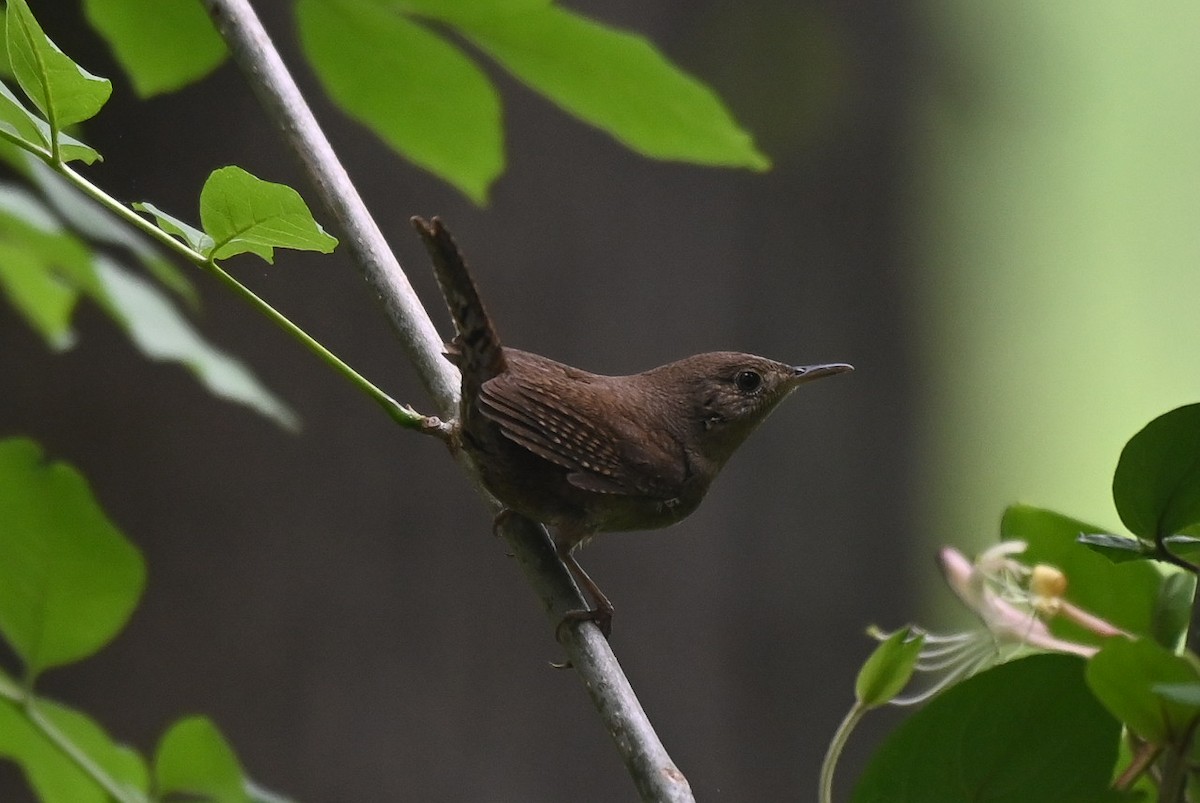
(602, 613)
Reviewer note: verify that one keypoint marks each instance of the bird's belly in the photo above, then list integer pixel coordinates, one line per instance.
(540, 490)
(619, 514)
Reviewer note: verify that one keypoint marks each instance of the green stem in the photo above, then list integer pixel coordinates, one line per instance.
(23, 698)
(401, 414)
(840, 737)
(1175, 768)
(1144, 755)
(73, 752)
(36, 150)
(128, 215)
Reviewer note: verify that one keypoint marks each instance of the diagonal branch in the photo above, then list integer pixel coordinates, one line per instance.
(652, 770)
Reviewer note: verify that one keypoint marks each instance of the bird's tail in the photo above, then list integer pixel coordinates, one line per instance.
(476, 348)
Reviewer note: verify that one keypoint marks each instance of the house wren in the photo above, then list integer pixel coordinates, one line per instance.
(585, 453)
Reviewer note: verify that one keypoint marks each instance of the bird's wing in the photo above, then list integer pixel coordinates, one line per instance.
(610, 455)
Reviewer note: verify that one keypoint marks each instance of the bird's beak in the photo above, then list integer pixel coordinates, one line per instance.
(807, 373)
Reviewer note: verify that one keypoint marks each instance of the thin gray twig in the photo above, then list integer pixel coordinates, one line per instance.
(653, 772)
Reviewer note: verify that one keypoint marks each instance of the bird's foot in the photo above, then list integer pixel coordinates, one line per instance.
(601, 616)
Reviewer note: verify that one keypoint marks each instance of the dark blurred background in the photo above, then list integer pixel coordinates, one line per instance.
(989, 212)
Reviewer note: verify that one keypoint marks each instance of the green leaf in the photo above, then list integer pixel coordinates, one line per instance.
(1123, 676)
(1187, 694)
(9, 687)
(68, 578)
(187, 233)
(888, 669)
(20, 122)
(43, 269)
(35, 132)
(1123, 594)
(5, 62)
(416, 91)
(1117, 548)
(617, 81)
(1173, 609)
(1156, 486)
(1027, 730)
(62, 90)
(259, 794)
(194, 761)
(1184, 546)
(162, 46)
(439, 9)
(161, 333)
(52, 775)
(244, 214)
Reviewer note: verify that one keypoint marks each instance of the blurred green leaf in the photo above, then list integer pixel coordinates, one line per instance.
(1156, 486)
(52, 775)
(1123, 676)
(244, 214)
(193, 761)
(1187, 694)
(259, 794)
(28, 127)
(417, 92)
(1184, 546)
(162, 333)
(1123, 594)
(5, 62)
(888, 669)
(96, 223)
(1173, 609)
(617, 81)
(62, 90)
(1117, 548)
(68, 578)
(162, 46)
(20, 122)
(9, 687)
(43, 269)
(189, 234)
(442, 8)
(1027, 730)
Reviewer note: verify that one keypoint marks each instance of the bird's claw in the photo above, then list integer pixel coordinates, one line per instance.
(601, 617)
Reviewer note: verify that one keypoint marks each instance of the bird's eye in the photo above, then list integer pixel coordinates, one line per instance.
(748, 381)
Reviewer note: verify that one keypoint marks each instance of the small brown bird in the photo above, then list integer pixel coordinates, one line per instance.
(585, 453)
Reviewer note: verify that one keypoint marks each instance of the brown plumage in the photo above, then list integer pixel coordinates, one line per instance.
(585, 453)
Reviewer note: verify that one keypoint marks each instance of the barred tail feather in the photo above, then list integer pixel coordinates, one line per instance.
(476, 347)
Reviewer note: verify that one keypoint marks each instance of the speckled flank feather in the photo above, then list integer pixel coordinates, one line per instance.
(598, 452)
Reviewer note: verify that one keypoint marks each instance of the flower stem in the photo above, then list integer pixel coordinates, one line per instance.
(840, 737)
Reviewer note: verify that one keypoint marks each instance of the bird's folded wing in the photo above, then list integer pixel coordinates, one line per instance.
(601, 455)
